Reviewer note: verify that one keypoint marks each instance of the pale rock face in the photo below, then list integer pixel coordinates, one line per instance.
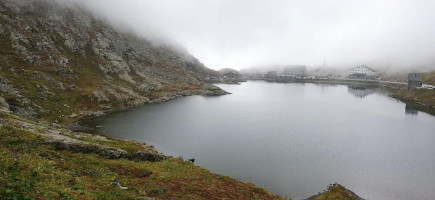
(3, 103)
(127, 78)
(101, 97)
(70, 43)
(62, 61)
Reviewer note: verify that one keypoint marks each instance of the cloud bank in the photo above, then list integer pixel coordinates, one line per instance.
(246, 33)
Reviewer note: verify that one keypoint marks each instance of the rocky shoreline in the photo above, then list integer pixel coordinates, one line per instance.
(42, 149)
(60, 64)
(64, 142)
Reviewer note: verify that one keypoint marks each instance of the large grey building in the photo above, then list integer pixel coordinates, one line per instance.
(414, 80)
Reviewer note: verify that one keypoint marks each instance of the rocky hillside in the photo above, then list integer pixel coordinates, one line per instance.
(59, 63)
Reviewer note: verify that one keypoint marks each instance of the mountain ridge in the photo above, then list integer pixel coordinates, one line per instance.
(75, 63)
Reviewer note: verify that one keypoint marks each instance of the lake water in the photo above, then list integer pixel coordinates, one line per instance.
(295, 139)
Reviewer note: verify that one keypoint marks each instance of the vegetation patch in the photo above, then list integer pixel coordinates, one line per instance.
(34, 170)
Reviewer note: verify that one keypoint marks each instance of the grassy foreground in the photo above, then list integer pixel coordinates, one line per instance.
(31, 169)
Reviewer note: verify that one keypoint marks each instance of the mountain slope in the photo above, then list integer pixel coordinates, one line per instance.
(60, 63)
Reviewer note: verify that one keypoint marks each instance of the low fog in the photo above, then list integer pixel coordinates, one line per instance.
(246, 33)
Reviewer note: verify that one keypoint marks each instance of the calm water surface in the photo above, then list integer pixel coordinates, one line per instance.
(295, 139)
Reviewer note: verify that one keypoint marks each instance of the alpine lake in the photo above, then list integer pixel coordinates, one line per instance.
(294, 139)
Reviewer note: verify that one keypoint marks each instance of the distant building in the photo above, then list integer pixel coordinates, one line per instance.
(362, 71)
(295, 70)
(414, 80)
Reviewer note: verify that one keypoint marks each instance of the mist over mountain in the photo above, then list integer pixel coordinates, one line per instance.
(243, 34)
(76, 64)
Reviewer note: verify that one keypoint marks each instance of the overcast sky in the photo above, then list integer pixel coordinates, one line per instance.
(245, 33)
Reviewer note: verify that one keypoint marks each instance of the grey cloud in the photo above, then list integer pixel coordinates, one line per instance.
(245, 33)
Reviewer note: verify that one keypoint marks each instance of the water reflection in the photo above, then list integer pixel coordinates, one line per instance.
(410, 110)
(361, 91)
(293, 139)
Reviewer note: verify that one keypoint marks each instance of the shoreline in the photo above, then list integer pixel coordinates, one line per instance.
(75, 125)
(103, 152)
(393, 87)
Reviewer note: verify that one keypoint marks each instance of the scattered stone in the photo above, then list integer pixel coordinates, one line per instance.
(147, 198)
(60, 86)
(127, 78)
(63, 62)
(112, 153)
(101, 97)
(3, 103)
(192, 160)
(147, 156)
(73, 115)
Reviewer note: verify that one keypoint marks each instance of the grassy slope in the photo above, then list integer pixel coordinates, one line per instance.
(336, 192)
(429, 78)
(32, 170)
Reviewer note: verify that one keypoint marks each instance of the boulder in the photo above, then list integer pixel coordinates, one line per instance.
(147, 156)
(211, 90)
(3, 103)
(112, 153)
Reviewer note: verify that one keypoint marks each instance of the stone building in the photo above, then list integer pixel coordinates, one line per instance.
(414, 80)
(363, 72)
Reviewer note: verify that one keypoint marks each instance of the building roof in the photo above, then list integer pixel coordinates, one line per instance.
(365, 66)
(414, 77)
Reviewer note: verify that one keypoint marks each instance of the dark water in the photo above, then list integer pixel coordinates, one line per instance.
(295, 139)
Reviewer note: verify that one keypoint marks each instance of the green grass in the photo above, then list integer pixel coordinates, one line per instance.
(33, 170)
(426, 97)
(429, 78)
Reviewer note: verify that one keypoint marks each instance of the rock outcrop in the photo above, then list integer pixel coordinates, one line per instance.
(56, 60)
(62, 139)
(335, 191)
